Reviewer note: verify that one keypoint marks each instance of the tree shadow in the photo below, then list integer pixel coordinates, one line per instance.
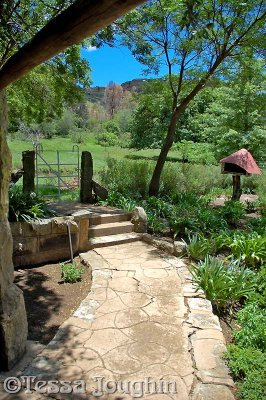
(41, 304)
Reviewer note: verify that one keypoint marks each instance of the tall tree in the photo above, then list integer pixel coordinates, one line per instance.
(113, 96)
(194, 39)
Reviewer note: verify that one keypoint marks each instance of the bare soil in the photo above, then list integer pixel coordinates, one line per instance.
(49, 301)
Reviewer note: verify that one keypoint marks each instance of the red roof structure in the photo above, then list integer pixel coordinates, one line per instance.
(244, 160)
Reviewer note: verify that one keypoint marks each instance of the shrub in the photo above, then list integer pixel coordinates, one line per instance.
(78, 135)
(117, 200)
(26, 206)
(223, 285)
(199, 247)
(71, 273)
(248, 367)
(251, 249)
(252, 320)
(107, 139)
(155, 225)
(233, 211)
(196, 218)
(259, 295)
(258, 225)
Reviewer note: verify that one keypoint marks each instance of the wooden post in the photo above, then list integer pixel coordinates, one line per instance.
(86, 177)
(28, 162)
(236, 188)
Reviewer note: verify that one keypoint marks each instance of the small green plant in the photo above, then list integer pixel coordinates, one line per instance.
(248, 369)
(71, 273)
(251, 206)
(258, 225)
(250, 250)
(199, 247)
(26, 206)
(233, 211)
(252, 320)
(224, 285)
(155, 225)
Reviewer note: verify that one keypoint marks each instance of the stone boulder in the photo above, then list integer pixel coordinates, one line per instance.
(139, 219)
(180, 248)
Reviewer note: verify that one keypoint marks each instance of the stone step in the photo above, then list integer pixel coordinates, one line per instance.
(109, 218)
(114, 228)
(113, 240)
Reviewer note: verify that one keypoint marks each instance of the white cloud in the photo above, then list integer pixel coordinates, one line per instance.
(91, 48)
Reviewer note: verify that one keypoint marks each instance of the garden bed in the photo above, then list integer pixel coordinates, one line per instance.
(49, 302)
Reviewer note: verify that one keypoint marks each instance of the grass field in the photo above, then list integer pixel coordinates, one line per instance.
(99, 153)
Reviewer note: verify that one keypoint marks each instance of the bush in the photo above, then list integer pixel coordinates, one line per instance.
(248, 367)
(249, 249)
(133, 178)
(71, 273)
(107, 139)
(196, 218)
(26, 206)
(252, 320)
(78, 135)
(223, 285)
(233, 211)
(199, 247)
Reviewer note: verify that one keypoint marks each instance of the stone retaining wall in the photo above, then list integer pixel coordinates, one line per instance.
(47, 240)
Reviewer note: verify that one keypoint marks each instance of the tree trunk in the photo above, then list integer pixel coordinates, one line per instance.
(155, 180)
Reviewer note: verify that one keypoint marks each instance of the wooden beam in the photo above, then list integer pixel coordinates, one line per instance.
(80, 20)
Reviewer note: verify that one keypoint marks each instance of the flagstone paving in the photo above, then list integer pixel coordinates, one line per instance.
(143, 321)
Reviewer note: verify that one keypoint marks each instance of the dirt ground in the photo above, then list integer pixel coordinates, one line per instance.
(49, 301)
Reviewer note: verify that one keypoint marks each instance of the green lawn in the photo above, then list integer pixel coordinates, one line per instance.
(99, 153)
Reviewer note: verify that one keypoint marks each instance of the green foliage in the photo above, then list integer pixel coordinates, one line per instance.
(107, 139)
(71, 273)
(198, 153)
(197, 218)
(249, 249)
(116, 199)
(258, 225)
(233, 211)
(199, 247)
(155, 224)
(259, 295)
(252, 332)
(223, 285)
(26, 206)
(112, 127)
(132, 178)
(248, 367)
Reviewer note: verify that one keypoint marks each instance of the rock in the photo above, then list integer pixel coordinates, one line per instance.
(139, 219)
(180, 248)
(99, 190)
(13, 320)
(210, 392)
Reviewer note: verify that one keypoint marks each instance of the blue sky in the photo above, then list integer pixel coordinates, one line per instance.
(112, 64)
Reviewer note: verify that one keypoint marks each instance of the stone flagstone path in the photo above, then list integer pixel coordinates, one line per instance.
(142, 321)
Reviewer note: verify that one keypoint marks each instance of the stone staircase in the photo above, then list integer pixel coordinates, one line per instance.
(111, 229)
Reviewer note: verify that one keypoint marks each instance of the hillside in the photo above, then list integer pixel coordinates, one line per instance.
(96, 94)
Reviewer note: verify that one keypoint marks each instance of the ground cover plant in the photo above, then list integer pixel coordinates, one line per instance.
(26, 206)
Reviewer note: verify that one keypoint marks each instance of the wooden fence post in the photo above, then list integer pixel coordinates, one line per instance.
(86, 177)
(28, 162)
